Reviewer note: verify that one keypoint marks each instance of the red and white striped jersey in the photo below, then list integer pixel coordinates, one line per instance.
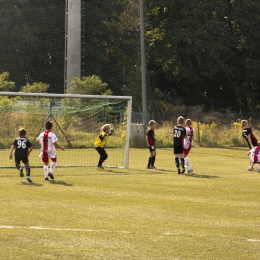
(47, 140)
(188, 140)
(255, 154)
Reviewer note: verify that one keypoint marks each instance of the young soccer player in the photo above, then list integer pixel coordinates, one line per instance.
(188, 140)
(248, 135)
(48, 141)
(22, 147)
(100, 143)
(179, 133)
(254, 155)
(150, 141)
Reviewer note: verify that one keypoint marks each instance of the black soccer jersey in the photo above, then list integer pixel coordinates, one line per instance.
(21, 146)
(179, 133)
(151, 137)
(245, 133)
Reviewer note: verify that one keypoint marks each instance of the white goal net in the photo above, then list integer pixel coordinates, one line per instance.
(77, 121)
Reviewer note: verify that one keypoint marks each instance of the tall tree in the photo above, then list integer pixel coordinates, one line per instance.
(33, 42)
(193, 50)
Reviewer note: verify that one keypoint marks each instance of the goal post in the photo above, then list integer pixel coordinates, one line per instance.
(77, 123)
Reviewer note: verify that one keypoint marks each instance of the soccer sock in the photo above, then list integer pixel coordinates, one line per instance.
(45, 168)
(187, 161)
(177, 162)
(149, 161)
(182, 163)
(53, 165)
(28, 172)
(152, 160)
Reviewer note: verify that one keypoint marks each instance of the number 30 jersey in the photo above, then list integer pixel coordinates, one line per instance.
(179, 133)
(21, 146)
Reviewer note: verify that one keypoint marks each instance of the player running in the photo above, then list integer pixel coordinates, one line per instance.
(22, 147)
(48, 141)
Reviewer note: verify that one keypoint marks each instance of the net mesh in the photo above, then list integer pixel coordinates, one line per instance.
(77, 124)
(32, 46)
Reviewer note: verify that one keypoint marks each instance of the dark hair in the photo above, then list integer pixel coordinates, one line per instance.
(48, 125)
(22, 132)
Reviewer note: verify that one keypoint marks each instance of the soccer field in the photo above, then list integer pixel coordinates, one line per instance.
(135, 213)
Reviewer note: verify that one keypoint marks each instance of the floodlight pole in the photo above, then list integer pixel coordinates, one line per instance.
(143, 66)
(72, 41)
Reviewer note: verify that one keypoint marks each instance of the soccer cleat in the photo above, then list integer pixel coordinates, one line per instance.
(250, 168)
(28, 178)
(190, 170)
(148, 167)
(46, 179)
(258, 169)
(51, 175)
(179, 171)
(183, 170)
(153, 167)
(100, 168)
(21, 171)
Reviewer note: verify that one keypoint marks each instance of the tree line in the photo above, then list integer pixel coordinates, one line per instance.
(198, 53)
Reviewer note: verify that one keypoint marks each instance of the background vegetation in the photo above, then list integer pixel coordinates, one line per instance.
(200, 53)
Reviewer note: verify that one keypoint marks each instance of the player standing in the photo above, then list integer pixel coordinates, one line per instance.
(150, 141)
(48, 141)
(100, 143)
(249, 137)
(22, 147)
(188, 140)
(179, 133)
(254, 155)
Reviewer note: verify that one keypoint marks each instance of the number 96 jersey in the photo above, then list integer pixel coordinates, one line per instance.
(21, 146)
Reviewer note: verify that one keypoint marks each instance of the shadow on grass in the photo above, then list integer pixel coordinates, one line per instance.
(148, 171)
(31, 184)
(60, 183)
(194, 175)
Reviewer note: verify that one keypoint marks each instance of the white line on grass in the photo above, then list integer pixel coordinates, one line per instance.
(66, 229)
(77, 230)
(253, 240)
(91, 230)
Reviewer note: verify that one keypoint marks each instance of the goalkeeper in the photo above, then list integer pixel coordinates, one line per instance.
(100, 143)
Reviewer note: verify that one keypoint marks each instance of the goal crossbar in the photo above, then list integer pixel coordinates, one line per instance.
(53, 95)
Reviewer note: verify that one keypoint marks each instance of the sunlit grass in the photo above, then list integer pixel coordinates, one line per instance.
(135, 213)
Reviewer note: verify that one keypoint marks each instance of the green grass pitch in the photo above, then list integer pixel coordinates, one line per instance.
(135, 213)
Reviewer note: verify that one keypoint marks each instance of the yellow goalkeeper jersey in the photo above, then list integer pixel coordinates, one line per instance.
(101, 140)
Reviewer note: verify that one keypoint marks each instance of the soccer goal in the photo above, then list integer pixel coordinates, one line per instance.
(77, 121)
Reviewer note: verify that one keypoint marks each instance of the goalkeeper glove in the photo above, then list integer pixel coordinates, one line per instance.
(111, 131)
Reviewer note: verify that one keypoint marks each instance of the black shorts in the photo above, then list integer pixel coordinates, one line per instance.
(19, 158)
(178, 149)
(152, 148)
